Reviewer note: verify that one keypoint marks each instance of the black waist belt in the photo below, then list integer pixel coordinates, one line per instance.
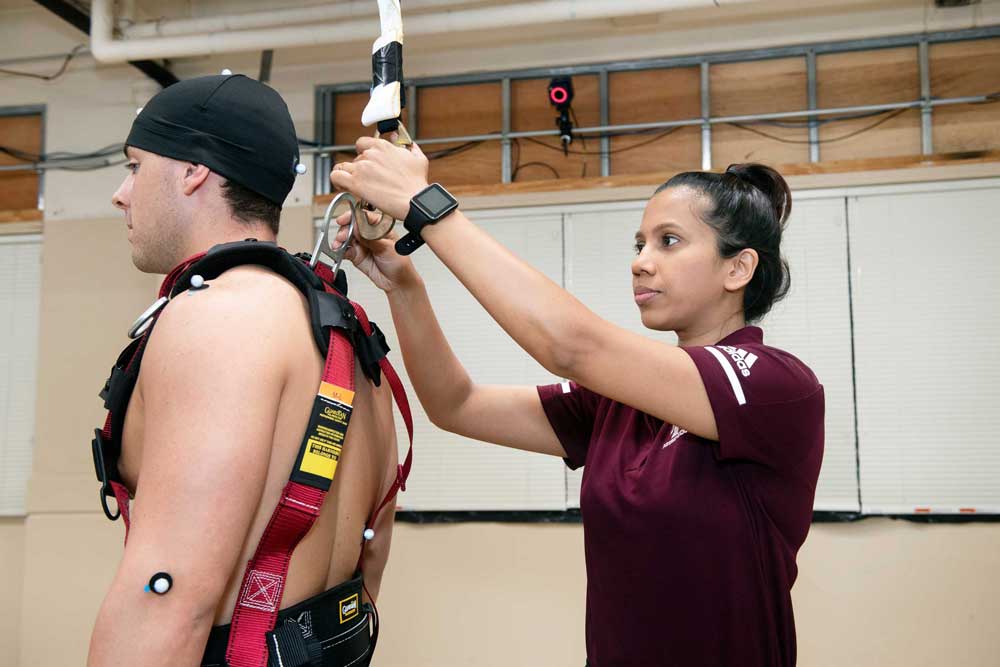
(332, 629)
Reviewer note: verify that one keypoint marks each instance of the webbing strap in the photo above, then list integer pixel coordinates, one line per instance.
(399, 395)
(264, 578)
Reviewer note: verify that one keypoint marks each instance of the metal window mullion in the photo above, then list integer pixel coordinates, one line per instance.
(926, 108)
(505, 142)
(411, 103)
(602, 88)
(813, 120)
(324, 134)
(706, 114)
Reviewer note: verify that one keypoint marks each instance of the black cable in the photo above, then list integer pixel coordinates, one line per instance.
(455, 150)
(614, 151)
(517, 166)
(886, 118)
(804, 123)
(537, 164)
(26, 156)
(47, 77)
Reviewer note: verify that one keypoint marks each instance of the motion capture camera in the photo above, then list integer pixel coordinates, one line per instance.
(561, 97)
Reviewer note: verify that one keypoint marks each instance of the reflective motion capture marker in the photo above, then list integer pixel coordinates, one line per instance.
(369, 534)
(197, 283)
(160, 583)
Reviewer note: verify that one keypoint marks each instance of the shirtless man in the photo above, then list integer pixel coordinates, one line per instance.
(226, 387)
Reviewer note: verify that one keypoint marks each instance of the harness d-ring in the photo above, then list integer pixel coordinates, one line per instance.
(325, 241)
(144, 321)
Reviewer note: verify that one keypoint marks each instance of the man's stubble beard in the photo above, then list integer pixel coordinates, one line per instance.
(162, 247)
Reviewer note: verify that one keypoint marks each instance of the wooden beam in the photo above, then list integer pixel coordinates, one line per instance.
(23, 215)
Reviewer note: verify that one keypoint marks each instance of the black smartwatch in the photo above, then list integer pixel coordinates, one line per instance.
(427, 207)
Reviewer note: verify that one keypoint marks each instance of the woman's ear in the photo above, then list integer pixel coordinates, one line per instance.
(741, 269)
(195, 176)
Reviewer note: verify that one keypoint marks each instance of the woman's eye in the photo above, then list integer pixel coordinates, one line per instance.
(670, 240)
(638, 247)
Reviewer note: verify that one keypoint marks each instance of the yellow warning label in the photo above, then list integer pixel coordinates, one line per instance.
(324, 440)
(336, 393)
(320, 458)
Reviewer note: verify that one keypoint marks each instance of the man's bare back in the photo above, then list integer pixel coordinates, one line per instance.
(211, 434)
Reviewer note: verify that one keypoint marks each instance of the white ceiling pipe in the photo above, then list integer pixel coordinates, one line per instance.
(319, 14)
(108, 50)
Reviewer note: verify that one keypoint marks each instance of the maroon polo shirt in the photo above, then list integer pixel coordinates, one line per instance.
(690, 543)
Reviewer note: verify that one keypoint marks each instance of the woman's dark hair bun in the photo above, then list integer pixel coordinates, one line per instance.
(768, 181)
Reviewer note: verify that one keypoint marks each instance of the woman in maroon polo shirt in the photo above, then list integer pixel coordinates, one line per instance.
(701, 459)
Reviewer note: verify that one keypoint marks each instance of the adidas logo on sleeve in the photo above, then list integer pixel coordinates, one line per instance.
(744, 360)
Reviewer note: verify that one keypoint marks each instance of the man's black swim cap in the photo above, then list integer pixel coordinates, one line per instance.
(235, 126)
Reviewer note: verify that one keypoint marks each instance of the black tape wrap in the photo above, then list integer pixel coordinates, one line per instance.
(387, 64)
(387, 67)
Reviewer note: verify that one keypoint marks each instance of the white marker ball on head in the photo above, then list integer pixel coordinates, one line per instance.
(369, 534)
(161, 585)
(300, 168)
(227, 72)
(138, 111)
(197, 281)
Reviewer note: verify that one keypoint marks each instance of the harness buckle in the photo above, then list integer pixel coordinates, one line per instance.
(104, 475)
(287, 646)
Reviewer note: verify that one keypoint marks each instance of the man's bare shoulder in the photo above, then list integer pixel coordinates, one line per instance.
(248, 313)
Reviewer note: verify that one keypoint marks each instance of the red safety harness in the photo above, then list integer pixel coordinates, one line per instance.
(343, 330)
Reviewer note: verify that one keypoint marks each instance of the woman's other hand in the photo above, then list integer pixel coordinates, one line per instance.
(376, 259)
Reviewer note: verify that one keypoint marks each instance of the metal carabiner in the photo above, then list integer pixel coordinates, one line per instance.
(324, 242)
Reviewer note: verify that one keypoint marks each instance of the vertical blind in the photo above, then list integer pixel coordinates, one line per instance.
(20, 276)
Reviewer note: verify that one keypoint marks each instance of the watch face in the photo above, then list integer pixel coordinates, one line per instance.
(435, 201)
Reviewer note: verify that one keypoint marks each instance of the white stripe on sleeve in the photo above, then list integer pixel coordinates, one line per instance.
(731, 374)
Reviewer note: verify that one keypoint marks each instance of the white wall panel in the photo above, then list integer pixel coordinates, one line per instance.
(926, 287)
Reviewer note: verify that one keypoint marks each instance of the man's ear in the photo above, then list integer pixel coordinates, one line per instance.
(195, 176)
(741, 269)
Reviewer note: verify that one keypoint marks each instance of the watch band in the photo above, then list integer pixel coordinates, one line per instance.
(426, 207)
